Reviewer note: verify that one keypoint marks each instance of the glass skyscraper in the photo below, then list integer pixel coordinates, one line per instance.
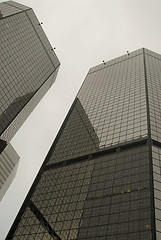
(28, 67)
(101, 178)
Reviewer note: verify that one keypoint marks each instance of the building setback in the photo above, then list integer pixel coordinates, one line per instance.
(28, 67)
(101, 178)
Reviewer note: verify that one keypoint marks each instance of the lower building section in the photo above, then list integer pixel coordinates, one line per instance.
(105, 196)
(156, 159)
(118, 201)
(9, 160)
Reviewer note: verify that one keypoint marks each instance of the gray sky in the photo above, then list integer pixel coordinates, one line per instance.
(84, 32)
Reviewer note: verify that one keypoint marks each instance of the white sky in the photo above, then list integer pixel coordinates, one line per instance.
(84, 32)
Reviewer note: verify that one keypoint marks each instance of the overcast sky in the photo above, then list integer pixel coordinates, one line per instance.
(84, 32)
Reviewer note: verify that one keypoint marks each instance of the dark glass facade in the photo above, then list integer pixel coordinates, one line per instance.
(101, 178)
(28, 66)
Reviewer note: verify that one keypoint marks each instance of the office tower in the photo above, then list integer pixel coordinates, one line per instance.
(101, 178)
(9, 160)
(28, 67)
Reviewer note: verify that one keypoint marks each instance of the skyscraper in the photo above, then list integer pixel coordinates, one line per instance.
(101, 178)
(9, 160)
(28, 67)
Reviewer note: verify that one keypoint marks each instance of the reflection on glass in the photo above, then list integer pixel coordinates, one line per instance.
(78, 136)
(107, 195)
(12, 110)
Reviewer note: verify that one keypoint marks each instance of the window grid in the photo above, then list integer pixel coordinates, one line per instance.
(25, 50)
(104, 197)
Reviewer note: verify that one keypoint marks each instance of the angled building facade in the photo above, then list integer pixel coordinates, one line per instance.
(9, 160)
(28, 67)
(101, 178)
